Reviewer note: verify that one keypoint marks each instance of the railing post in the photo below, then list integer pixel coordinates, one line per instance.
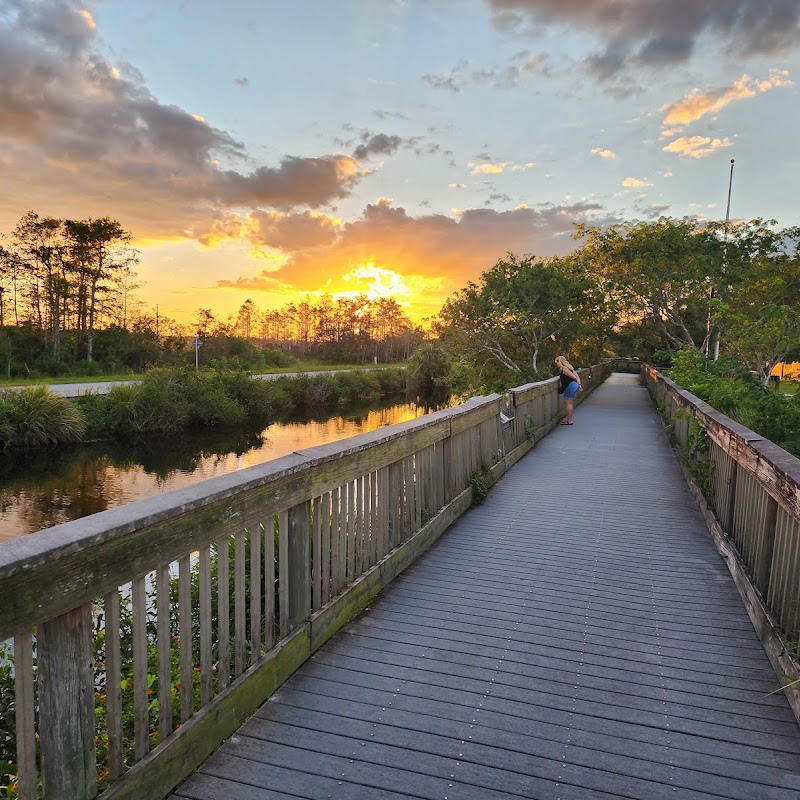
(66, 706)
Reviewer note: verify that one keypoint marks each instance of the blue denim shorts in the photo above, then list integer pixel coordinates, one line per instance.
(571, 390)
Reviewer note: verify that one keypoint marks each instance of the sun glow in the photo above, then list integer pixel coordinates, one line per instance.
(375, 282)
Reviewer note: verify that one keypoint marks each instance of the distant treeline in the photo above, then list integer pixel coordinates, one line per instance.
(68, 305)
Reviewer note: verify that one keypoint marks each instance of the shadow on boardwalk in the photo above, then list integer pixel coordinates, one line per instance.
(577, 636)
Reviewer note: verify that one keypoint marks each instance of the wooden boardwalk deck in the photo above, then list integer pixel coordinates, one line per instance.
(575, 637)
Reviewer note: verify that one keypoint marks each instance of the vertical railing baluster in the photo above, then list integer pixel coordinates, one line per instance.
(316, 555)
(140, 700)
(164, 646)
(239, 600)
(223, 611)
(361, 527)
(113, 666)
(269, 582)
(255, 593)
(336, 552)
(185, 623)
(351, 531)
(283, 572)
(299, 565)
(204, 590)
(325, 546)
(25, 719)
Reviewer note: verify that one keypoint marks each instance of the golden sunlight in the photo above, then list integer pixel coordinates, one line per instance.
(376, 282)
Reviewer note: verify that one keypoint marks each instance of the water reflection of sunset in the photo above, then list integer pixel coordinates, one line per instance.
(88, 483)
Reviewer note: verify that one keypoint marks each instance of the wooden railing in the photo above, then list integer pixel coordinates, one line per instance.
(146, 634)
(629, 365)
(749, 490)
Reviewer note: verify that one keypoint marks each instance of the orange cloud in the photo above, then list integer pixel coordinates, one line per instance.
(487, 169)
(697, 146)
(423, 259)
(607, 154)
(635, 183)
(698, 103)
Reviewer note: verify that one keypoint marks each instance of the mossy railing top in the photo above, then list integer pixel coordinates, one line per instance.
(146, 634)
(752, 488)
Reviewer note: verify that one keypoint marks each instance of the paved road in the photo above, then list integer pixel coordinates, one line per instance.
(104, 387)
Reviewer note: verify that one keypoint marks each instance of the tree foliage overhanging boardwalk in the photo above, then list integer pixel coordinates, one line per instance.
(576, 636)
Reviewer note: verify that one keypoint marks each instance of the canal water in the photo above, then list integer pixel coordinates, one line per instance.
(48, 487)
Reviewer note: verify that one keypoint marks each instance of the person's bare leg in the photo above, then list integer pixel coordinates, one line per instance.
(570, 407)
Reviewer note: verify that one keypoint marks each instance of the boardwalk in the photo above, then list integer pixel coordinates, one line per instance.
(575, 637)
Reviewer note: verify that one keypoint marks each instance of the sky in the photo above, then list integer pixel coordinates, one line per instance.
(274, 151)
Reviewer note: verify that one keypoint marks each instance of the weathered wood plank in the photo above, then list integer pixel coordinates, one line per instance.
(185, 623)
(223, 611)
(325, 547)
(255, 593)
(141, 716)
(164, 647)
(269, 583)
(283, 573)
(24, 714)
(316, 553)
(65, 681)
(113, 666)
(298, 566)
(206, 659)
(336, 541)
(239, 603)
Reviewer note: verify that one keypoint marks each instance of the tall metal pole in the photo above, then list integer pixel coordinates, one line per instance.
(724, 251)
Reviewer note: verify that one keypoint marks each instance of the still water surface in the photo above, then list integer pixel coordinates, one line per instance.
(47, 488)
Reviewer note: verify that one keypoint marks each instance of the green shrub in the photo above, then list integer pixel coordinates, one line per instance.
(34, 416)
(730, 388)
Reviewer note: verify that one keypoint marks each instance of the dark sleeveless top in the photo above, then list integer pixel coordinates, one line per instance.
(566, 381)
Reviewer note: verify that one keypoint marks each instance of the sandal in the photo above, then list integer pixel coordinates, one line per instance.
(566, 423)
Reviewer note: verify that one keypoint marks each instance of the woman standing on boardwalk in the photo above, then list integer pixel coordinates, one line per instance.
(570, 386)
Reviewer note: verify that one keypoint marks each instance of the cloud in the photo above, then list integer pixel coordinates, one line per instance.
(654, 33)
(496, 169)
(377, 144)
(432, 247)
(520, 66)
(384, 115)
(487, 169)
(634, 183)
(699, 103)
(241, 81)
(84, 137)
(607, 154)
(696, 146)
(450, 81)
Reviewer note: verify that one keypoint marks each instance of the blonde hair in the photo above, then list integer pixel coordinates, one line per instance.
(562, 363)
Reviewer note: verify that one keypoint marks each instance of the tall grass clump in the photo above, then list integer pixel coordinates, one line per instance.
(33, 417)
(327, 391)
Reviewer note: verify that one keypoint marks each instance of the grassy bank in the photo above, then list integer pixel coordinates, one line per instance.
(172, 401)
